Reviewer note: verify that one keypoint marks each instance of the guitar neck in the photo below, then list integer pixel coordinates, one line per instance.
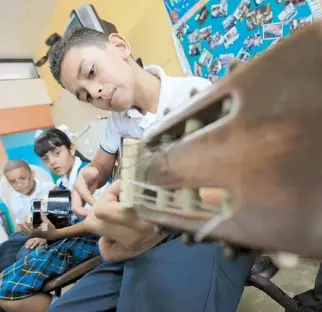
(255, 135)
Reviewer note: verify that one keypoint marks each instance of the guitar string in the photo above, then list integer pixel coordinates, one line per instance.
(160, 148)
(177, 206)
(205, 230)
(209, 227)
(139, 158)
(150, 205)
(170, 197)
(201, 234)
(169, 194)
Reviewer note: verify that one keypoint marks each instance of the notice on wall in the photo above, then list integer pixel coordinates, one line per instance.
(208, 34)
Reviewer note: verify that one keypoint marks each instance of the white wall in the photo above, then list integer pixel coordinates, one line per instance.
(23, 24)
(78, 116)
(26, 92)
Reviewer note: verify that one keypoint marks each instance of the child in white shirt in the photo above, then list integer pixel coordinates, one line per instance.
(25, 189)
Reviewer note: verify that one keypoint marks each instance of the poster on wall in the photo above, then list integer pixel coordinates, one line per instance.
(178, 8)
(209, 34)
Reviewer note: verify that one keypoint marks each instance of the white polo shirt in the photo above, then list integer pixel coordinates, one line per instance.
(20, 203)
(174, 93)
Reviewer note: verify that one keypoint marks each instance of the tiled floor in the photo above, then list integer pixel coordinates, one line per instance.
(292, 281)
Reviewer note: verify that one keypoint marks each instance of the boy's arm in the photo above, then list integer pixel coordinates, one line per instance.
(75, 230)
(91, 178)
(97, 173)
(104, 162)
(104, 159)
(113, 251)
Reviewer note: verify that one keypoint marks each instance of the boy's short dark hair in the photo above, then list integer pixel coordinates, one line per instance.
(15, 164)
(75, 38)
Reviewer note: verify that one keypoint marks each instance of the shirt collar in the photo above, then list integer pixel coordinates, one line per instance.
(166, 88)
(68, 181)
(156, 71)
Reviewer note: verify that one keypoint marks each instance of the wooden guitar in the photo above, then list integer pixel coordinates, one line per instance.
(255, 135)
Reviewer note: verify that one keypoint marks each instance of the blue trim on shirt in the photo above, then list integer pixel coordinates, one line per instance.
(61, 186)
(106, 151)
(83, 164)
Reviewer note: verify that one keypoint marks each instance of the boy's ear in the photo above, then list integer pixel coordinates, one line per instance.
(33, 174)
(121, 44)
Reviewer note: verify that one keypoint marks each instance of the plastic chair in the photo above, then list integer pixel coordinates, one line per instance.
(71, 276)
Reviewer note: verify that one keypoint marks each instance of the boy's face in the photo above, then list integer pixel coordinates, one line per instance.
(99, 76)
(21, 180)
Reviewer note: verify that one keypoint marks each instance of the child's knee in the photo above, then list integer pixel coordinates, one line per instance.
(10, 306)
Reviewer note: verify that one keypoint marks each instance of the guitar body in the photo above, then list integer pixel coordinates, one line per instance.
(266, 153)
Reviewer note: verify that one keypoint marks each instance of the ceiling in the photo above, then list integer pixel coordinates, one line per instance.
(23, 25)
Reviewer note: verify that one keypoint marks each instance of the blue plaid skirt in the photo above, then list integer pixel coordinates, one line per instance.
(27, 276)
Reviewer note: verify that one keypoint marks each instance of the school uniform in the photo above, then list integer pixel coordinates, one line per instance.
(171, 276)
(27, 276)
(67, 182)
(13, 248)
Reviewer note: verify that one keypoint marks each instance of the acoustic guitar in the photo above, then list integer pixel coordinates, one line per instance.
(256, 137)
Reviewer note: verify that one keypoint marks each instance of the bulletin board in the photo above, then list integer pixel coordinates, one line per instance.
(208, 34)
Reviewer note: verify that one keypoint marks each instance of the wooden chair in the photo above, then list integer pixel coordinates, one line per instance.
(71, 276)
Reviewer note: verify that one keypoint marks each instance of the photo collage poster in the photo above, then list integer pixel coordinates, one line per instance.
(209, 34)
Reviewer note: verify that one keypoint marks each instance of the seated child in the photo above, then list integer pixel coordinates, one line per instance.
(26, 189)
(21, 286)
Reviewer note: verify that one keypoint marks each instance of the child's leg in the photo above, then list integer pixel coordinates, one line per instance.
(180, 278)
(36, 303)
(26, 277)
(23, 252)
(10, 248)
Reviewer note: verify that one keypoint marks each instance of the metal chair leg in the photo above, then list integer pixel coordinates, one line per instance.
(274, 292)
